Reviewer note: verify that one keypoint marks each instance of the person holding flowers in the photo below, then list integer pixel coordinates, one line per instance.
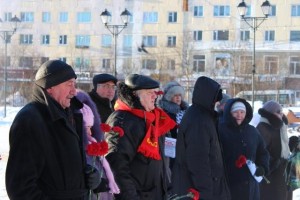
(199, 161)
(46, 157)
(93, 133)
(242, 144)
(137, 158)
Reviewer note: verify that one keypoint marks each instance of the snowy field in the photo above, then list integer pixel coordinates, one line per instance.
(4, 146)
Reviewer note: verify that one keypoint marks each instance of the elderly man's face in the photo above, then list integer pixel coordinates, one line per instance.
(63, 93)
(106, 90)
(147, 98)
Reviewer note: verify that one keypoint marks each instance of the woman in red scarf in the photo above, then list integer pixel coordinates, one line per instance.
(137, 159)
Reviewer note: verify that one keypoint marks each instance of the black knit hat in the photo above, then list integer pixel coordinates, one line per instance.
(103, 78)
(138, 82)
(53, 72)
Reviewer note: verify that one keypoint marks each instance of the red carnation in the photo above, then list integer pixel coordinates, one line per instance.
(118, 130)
(194, 194)
(241, 161)
(159, 92)
(105, 127)
(103, 148)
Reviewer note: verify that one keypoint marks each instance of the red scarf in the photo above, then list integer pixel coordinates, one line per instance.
(158, 123)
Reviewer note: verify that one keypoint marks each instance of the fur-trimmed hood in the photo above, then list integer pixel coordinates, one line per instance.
(172, 107)
(274, 121)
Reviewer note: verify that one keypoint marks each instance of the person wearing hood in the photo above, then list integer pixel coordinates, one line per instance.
(46, 157)
(199, 161)
(173, 103)
(137, 158)
(93, 133)
(273, 128)
(104, 94)
(241, 140)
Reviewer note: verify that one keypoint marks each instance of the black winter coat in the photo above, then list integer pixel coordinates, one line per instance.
(277, 189)
(104, 106)
(199, 161)
(138, 177)
(46, 159)
(239, 140)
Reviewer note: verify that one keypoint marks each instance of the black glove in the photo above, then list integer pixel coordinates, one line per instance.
(260, 171)
(92, 177)
(102, 187)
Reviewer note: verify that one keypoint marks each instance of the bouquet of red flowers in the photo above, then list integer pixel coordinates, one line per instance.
(115, 129)
(192, 193)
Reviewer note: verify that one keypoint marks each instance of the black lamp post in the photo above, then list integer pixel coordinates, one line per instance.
(6, 36)
(254, 23)
(115, 30)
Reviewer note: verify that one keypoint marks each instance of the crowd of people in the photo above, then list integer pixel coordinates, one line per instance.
(218, 155)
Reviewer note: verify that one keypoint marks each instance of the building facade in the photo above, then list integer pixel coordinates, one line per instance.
(184, 39)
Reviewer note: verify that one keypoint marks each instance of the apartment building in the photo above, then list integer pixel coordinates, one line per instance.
(183, 39)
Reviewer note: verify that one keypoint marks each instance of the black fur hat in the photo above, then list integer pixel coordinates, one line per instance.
(138, 82)
(53, 72)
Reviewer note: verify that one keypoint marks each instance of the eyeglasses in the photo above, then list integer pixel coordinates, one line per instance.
(107, 86)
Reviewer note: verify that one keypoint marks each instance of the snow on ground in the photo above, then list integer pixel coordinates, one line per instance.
(5, 124)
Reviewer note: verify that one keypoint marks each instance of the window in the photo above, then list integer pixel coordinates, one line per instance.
(198, 63)
(295, 65)
(82, 41)
(269, 36)
(63, 39)
(106, 41)
(26, 38)
(46, 17)
(106, 63)
(171, 64)
(27, 16)
(82, 64)
(150, 17)
(26, 62)
(221, 35)
(271, 65)
(222, 64)
(149, 64)
(197, 35)
(198, 11)
(245, 35)
(295, 10)
(221, 11)
(295, 36)
(83, 17)
(272, 11)
(248, 11)
(172, 17)
(63, 17)
(45, 39)
(245, 64)
(7, 16)
(149, 41)
(127, 41)
(171, 41)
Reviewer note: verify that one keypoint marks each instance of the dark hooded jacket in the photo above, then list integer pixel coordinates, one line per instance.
(104, 106)
(199, 161)
(138, 177)
(270, 130)
(239, 140)
(46, 160)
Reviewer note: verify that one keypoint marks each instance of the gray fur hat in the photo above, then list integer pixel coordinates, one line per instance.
(172, 88)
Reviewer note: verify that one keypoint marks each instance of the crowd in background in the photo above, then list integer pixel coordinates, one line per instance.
(217, 154)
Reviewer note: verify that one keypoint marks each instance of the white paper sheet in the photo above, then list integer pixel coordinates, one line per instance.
(252, 167)
(170, 147)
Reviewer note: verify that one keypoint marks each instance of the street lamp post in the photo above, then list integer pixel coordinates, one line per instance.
(254, 23)
(6, 36)
(115, 30)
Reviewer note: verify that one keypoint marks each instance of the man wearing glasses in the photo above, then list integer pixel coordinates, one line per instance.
(103, 94)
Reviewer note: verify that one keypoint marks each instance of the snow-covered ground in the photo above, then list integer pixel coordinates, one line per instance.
(4, 146)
